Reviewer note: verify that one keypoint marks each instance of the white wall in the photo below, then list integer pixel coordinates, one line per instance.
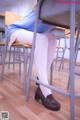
(20, 7)
(23, 8)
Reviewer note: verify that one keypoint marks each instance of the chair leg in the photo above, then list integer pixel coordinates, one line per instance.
(62, 61)
(77, 46)
(61, 65)
(9, 58)
(28, 79)
(14, 57)
(3, 62)
(25, 69)
(51, 74)
(57, 54)
(19, 62)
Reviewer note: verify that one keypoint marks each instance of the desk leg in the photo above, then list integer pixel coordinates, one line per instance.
(72, 61)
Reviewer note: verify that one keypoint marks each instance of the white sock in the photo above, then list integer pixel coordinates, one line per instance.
(46, 91)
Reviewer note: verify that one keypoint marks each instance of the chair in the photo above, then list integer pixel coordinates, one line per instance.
(9, 19)
(60, 34)
(60, 49)
(77, 48)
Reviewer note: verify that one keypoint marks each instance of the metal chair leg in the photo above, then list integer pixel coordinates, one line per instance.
(25, 69)
(3, 62)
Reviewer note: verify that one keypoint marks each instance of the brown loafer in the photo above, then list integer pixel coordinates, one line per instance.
(49, 102)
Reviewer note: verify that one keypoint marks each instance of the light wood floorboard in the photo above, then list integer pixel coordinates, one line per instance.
(13, 100)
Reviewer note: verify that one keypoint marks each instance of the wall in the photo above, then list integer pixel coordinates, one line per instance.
(21, 7)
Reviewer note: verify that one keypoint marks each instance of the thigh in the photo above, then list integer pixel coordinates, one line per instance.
(22, 36)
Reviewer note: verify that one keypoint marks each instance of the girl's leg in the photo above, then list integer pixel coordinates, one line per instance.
(52, 42)
(41, 58)
(41, 54)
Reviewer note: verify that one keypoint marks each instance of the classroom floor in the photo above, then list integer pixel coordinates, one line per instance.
(13, 100)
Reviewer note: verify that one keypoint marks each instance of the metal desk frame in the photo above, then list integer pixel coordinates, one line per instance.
(71, 93)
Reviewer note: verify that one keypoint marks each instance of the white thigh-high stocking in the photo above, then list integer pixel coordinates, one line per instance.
(41, 56)
(52, 42)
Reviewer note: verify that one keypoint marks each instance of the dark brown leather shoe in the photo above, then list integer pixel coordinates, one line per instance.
(49, 102)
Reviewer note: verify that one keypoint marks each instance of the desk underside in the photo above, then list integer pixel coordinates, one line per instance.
(58, 13)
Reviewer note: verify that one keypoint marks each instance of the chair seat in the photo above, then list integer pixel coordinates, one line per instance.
(2, 43)
(19, 44)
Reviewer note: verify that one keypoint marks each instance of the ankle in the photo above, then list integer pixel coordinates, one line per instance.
(45, 91)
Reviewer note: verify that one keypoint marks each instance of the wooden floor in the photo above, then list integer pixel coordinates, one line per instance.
(13, 100)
